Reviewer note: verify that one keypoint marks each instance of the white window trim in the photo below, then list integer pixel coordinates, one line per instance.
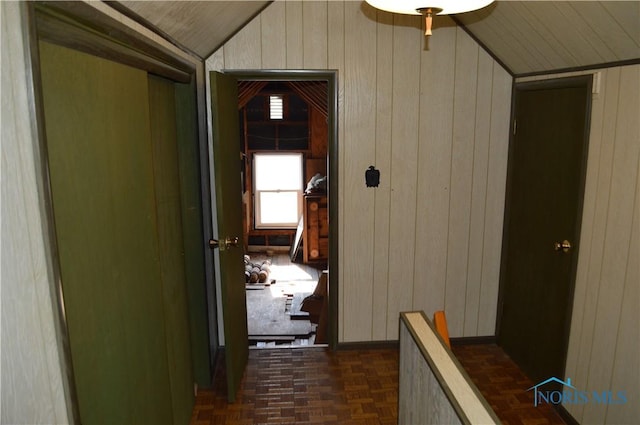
(256, 196)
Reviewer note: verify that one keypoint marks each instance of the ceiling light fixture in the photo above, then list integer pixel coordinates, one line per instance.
(428, 8)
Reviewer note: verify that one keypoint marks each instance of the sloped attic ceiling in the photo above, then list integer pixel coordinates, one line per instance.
(200, 26)
(538, 36)
(526, 36)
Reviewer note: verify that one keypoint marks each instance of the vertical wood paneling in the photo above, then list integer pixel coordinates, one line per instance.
(244, 50)
(479, 188)
(434, 172)
(215, 62)
(626, 365)
(314, 18)
(464, 110)
(295, 34)
(495, 193)
(396, 112)
(593, 266)
(407, 42)
(617, 239)
(359, 104)
(273, 36)
(335, 38)
(31, 379)
(384, 106)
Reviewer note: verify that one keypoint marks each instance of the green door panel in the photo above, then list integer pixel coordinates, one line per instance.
(117, 220)
(171, 248)
(193, 231)
(226, 150)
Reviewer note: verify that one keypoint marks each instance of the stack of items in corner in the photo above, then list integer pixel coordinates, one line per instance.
(256, 272)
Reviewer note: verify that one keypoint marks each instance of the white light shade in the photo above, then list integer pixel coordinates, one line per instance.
(412, 7)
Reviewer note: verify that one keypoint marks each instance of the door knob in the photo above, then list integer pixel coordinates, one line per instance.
(563, 246)
(228, 242)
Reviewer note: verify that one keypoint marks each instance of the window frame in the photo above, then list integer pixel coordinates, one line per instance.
(257, 205)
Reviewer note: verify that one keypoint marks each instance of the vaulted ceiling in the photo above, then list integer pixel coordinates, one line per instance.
(200, 26)
(537, 36)
(526, 36)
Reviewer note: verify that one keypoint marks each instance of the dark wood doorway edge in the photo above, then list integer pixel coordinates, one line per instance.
(582, 81)
(331, 77)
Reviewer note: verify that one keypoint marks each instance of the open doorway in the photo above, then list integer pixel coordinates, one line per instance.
(284, 127)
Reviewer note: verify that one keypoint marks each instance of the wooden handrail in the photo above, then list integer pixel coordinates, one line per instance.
(448, 394)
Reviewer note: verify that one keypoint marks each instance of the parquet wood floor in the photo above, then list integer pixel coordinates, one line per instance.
(308, 386)
(317, 386)
(504, 385)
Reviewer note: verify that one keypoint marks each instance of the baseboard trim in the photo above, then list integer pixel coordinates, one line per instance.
(372, 345)
(368, 345)
(473, 340)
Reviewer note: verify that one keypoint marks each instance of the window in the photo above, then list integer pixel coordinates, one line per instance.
(276, 107)
(278, 190)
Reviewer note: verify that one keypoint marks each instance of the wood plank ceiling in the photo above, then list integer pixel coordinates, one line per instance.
(539, 36)
(198, 26)
(528, 37)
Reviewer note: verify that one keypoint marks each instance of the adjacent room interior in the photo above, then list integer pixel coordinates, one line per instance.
(283, 138)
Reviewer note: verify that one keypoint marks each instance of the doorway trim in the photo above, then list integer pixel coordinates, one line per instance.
(582, 81)
(331, 76)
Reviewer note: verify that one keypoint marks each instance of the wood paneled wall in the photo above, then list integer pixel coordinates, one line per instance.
(434, 120)
(604, 343)
(32, 382)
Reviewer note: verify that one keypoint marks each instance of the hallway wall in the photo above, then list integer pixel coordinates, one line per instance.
(435, 123)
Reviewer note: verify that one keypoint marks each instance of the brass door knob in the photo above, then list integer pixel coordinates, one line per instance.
(227, 243)
(563, 246)
(230, 241)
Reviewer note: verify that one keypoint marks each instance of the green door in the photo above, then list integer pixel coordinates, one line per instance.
(544, 204)
(226, 151)
(102, 183)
